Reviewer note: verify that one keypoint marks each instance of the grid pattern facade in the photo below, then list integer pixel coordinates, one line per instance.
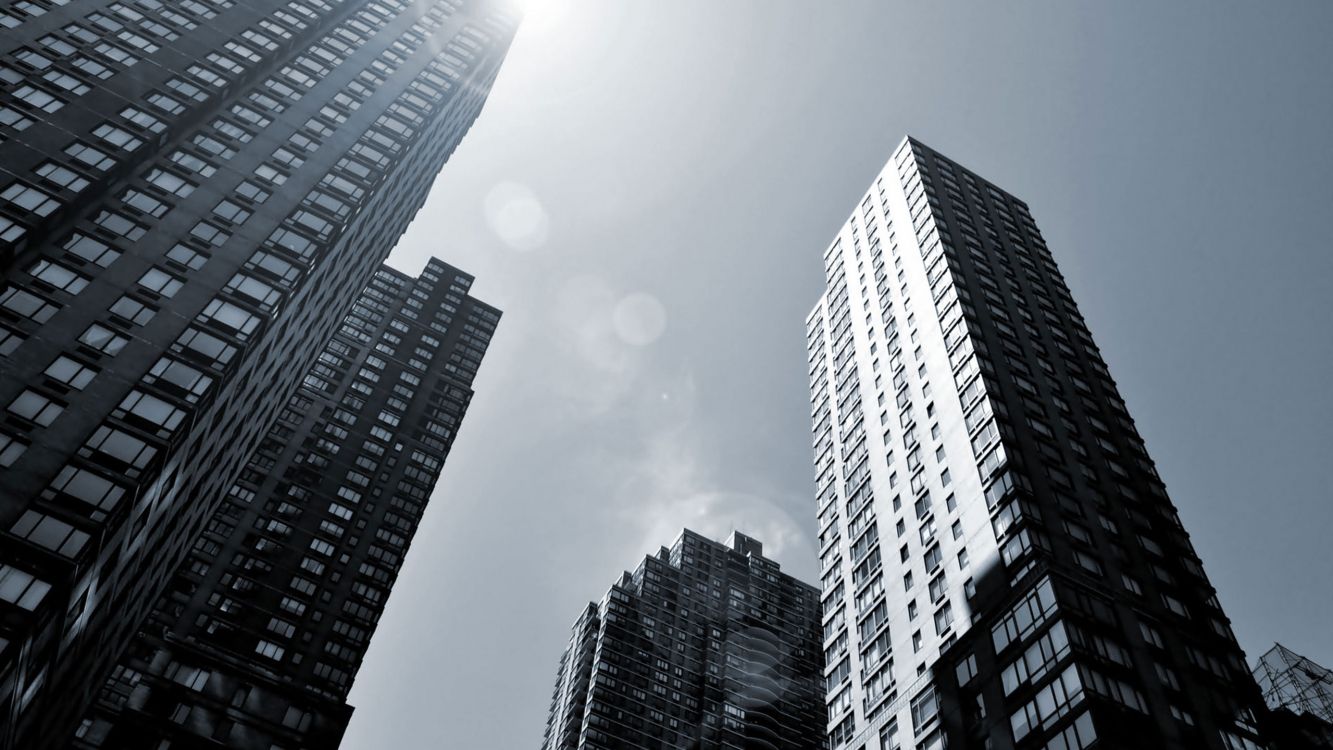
(1001, 564)
(191, 194)
(705, 645)
(257, 639)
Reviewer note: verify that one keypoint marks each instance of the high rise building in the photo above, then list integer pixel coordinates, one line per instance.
(1299, 696)
(1002, 566)
(191, 194)
(258, 636)
(705, 645)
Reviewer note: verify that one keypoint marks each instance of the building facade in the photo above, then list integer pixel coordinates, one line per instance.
(1002, 566)
(1299, 696)
(705, 645)
(191, 194)
(257, 638)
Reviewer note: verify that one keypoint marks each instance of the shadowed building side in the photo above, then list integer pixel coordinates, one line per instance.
(191, 195)
(259, 635)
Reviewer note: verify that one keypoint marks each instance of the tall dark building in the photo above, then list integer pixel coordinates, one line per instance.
(191, 194)
(1002, 566)
(257, 638)
(705, 645)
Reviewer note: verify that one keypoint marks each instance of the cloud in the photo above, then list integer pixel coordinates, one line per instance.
(670, 483)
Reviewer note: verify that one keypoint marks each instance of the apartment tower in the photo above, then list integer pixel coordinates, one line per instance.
(192, 193)
(1002, 567)
(705, 645)
(261, 630)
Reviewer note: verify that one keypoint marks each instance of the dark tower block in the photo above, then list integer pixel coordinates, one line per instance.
(705, 645)
(192, 193)
(260, 632)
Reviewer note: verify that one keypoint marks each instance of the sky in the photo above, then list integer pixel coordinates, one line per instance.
(647, 196)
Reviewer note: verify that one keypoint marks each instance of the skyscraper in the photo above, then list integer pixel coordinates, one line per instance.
(1001, 564)
(705, 645)
(257, 639)
(191, 194)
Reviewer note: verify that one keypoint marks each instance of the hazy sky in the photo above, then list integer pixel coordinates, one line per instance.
(648, 193)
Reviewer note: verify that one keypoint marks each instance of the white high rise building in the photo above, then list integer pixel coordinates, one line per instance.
(1002, 567)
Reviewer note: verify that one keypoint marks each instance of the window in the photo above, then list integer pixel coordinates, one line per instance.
(117, 137)
(28, 305)
(1025, 616)
(1050, 703)
(925, 708)
(58, 276)
(20, 588)
(35, 407)
(180, 378)
(62, 176)
(152, 411)
(120, 224)
(232, 212)
(119, 450)
(89, 157)
(159, 281)
(230, 317)
(297, 719)
(10, 449)
(1037, 659)
(187, 256)
(132, 310)
(933, 557)
(51, 533)
(144, 203)
(87, 487)
(169, 182)
(71, 372)
(967, 669)
(91, 250)
(205, 346)
(37, 99)
(270, 650)
(103, 339)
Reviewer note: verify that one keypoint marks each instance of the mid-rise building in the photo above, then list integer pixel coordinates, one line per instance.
(257, 638)
(192, 192)
(1299, 696)
(1002, 567)
(704, 645)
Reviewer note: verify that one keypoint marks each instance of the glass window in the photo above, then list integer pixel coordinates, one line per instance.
(91, 250)
(51, 533)
(21, 588)
(103, 339)
(132, 310)
(62, 176)
(83, 485)
(161, 282)
(125, 450)
(35, 407)
(71, 372)
(157, 413)
(27, 304)
(10, 449)
(58, 276)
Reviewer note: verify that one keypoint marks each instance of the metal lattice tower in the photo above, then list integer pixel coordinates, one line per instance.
(1291, 681)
